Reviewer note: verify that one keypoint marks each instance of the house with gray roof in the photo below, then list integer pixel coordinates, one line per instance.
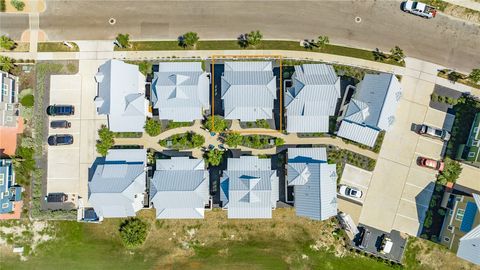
(312, 99)
(8, 100)
(371, 109)
(314, 181)
(180, 188)
(248, 90)
(121, 96)
(180, 91)
(118, 185)
(249, 188)
(469, 245)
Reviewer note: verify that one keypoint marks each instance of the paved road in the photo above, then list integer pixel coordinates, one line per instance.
(443, 40)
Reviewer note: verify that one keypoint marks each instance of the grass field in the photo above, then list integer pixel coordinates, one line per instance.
(284, 242)
(56, 47)
(264, 45)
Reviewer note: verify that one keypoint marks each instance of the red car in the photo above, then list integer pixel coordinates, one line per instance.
(431, 163)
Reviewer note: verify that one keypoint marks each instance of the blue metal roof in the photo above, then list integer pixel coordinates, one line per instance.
(468, 217)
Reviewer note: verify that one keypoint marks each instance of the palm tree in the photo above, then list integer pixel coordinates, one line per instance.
(188, 39)
(123, 40)
(243, 40)
(379, 55)
(7, 43)
(322, 42)
(254, 38)
(397, 54)
(6, 63)
(474, 76)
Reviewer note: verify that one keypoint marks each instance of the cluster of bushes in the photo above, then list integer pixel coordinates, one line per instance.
(216, 123)
(214, 157)
(172, 125)
(153, 127)
(253, 141)
(187, 140)
(106, 140)
(450, 173)
(471, 79)
(261, 123)
(443, 99)
(343, 156)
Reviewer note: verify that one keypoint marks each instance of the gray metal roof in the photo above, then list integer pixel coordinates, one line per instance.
(180, 91)
(469, 246)
(121, 96)
(375, 101)
(249, 188)
(248, 90)
(312, 99)
(180, 188)
(8, 99)
(314, 181)
(358, 133)
(118, 184)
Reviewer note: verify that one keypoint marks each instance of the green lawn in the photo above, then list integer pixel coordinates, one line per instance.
(56, 47)
(264, 45)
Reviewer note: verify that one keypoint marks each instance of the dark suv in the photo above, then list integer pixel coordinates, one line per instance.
(62, 139)
(60, 124)
(60, 110)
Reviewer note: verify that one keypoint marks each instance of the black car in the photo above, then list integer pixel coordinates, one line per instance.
(60, 124)
(60, 110)
(62, 139)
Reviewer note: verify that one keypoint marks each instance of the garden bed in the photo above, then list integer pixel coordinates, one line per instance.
(342, 156)
(172, 125)
(128, 134)
(457, 77)
(433, 222)
(183, 141)
(56, 47)
(260, 141)
(376, 148)
(257, 124)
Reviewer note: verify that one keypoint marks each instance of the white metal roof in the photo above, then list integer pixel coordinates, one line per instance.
(358, 133)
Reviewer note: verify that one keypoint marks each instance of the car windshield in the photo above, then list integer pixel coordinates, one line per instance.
(414, 5)
(353, 192)
(63, 139)
(438, 132)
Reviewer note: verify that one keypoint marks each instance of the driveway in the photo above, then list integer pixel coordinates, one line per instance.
(68, 165)
(400, 190)
(358, 178)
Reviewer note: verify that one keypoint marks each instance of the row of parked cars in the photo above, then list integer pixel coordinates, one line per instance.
(435, 133)
(60, 110)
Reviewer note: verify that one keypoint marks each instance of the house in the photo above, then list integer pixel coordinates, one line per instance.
(248, 90)
(461, 226)
(10, 193)
(372, 109)
(472, 148)
(121, 96)
(312, 99)
(249, 188)
(180, 188)
(118, 185)
(8, 100)
(180, 91)
(314, 181)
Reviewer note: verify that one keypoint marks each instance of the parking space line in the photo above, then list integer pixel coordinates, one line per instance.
(414, 219)
(432, 140)
(422, 188)
(412, 202)
(355, 184)
(65, 148)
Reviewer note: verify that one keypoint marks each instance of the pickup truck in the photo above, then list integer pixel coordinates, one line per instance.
(419, 8)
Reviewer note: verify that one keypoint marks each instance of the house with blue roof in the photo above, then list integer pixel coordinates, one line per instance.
(314, 182)
(118, 185)
(461, 226)
(248, 90)
(371, 109)
(121, 96)
(312, 99)
(10, 193)
(180, 91)
(249, 188)
(179, 188)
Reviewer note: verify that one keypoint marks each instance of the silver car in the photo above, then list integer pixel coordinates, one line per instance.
(434, 132)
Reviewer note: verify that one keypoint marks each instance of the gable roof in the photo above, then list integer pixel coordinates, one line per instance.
(469, 246)
(180, 188)
(375, 101)
(358, 133)
(180, 91)
(8, 99)
(314, 181)
(118, 184)
(248, 90)
(249, 188)
(312, 99)
(121, 96)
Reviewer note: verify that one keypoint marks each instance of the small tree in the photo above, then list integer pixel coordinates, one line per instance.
(188, 39)
(451, 171)
(133, 232)
(214, 157)
(379, 55)
(106, 140)
(279, 141)
(233, 139)
(243, 40)
(197, 140)
(454, 76)
(6, 63)
(474, 76)
(7, 43)
(17, 4)
(152, 127)
(397, 54)
(322, 42)
(123, 40)
(254, 38)
(218, 124)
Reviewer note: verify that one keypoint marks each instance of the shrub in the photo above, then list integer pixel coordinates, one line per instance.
(217, 125)
(152, 127)
(434, 97)
(451, 172)
(254, 38)
(133, 232)
(7, 43)
(233, 139)
(145, 67)
(2, 5)
(123, 40)
(188, 39)
(17, 4)
(27, 101)
(262, 123)
(214, 157)
(279, 142)
(474, 76)
(428, 220)
(106, 140)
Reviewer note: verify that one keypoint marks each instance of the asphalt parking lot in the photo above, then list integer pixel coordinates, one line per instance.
(400, 190)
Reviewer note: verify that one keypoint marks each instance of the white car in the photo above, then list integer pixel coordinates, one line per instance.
(350, 192)
(419, 8)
